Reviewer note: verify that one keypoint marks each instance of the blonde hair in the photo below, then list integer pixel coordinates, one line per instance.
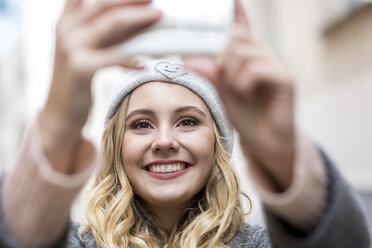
(115, 217)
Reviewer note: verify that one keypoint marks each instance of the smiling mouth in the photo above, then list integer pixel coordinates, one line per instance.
(167, 168)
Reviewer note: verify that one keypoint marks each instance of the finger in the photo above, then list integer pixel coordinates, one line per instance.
(240, 33)
(237, 50)
(106, 58)
(99, 7)
(205, 66)
(259, 81)
(239, 56)
(71, 4)
(240, 16)
(119, 25)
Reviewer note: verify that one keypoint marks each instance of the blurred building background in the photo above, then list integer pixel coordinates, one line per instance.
(327, 45)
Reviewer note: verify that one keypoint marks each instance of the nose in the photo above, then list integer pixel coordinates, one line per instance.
(165, 141)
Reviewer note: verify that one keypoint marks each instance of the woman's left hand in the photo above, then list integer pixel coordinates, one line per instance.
(257, 91)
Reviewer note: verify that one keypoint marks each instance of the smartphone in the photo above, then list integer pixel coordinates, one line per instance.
(186, 27)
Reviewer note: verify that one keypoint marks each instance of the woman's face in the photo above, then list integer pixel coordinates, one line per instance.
(168, 145)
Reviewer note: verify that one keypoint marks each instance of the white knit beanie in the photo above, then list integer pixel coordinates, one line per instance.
(174, 72)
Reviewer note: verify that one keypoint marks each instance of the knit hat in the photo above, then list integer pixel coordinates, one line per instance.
(174, 72)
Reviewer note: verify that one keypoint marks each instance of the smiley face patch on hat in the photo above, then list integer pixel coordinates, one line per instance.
(170, 70)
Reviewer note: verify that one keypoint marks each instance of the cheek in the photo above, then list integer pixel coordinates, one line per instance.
(201, 145)
(132, 153)
(133, 148)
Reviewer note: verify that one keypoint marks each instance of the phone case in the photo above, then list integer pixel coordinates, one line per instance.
(187, 27)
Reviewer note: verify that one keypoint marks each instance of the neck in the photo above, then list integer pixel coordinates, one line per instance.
(168, 214)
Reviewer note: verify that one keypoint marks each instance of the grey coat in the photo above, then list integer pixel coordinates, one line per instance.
(343, 225)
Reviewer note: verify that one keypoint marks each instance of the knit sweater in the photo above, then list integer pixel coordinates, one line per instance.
(249, 236)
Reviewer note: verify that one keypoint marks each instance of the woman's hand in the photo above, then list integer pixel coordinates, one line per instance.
(257, 92)
(85, 36)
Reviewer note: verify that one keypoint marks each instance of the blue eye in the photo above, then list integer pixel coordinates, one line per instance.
(141, 124)
(188, 122)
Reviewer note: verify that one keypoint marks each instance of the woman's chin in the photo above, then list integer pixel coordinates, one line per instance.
(169, 198)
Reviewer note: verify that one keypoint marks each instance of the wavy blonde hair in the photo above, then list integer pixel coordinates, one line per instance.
(115, 216)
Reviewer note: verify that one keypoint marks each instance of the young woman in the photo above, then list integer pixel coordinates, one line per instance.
(167, 180)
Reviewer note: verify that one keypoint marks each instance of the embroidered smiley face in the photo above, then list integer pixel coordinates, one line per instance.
(169, 70)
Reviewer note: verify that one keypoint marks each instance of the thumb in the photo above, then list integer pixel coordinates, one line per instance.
(240, 15)
(71, 4)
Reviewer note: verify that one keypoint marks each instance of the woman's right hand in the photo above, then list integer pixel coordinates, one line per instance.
(85, 36)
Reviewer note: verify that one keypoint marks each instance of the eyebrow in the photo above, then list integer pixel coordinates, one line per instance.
(189, 108)
(178, 111)
(140, 111)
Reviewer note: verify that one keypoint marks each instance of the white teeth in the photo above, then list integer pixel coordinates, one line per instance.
(161, 168)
